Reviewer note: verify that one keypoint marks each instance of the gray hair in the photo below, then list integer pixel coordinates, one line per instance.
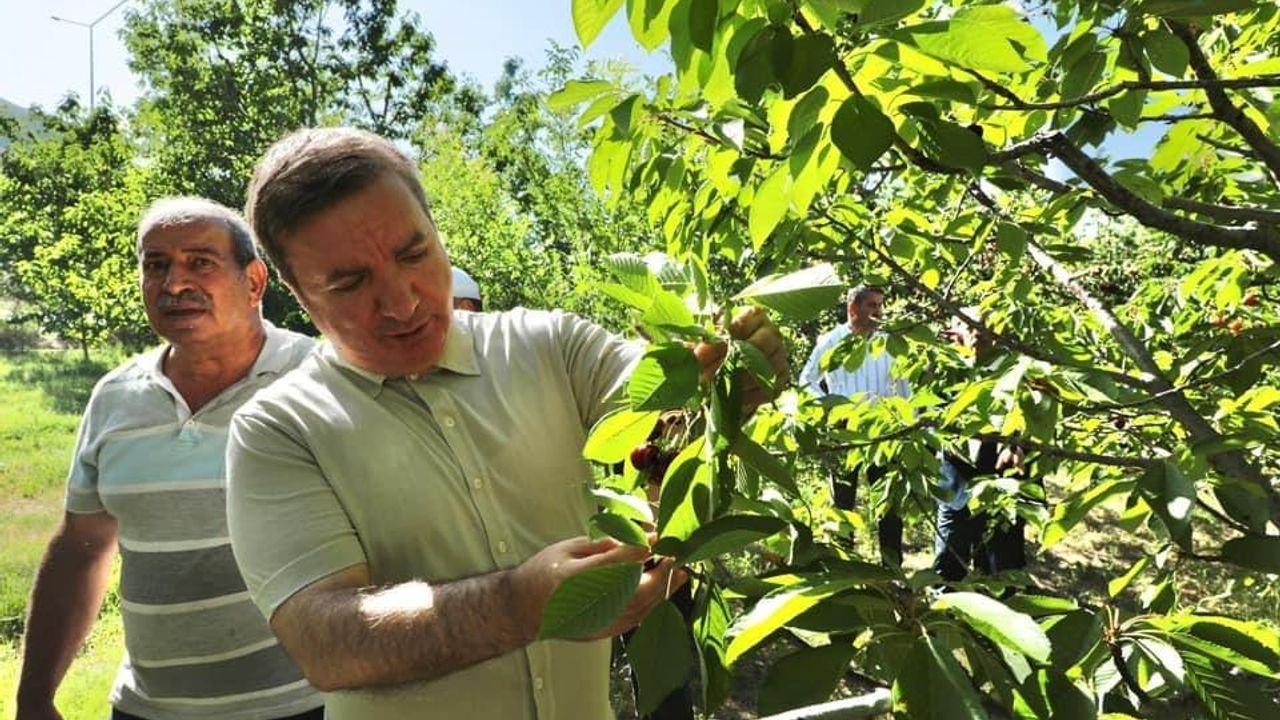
(188, 210)
(858, 294)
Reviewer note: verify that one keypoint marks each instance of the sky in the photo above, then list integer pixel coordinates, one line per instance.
(44, 59)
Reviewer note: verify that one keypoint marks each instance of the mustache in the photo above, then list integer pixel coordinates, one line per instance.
(186, 299)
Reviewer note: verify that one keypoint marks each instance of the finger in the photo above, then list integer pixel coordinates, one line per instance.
(747, 321)
(583, 546)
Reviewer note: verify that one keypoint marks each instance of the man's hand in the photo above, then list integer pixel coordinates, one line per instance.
(751, 325)
(1010, 459)
(541, 574)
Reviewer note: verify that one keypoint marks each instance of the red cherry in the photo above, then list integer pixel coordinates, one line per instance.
(1251, 300)
(644, 456)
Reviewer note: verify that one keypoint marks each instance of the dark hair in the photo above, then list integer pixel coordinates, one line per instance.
(308, 171)
(188, 210)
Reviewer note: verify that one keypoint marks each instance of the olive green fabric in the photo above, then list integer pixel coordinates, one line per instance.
(468, 469)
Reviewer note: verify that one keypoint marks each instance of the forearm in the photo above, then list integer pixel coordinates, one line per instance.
(68, 592)
(348, 637)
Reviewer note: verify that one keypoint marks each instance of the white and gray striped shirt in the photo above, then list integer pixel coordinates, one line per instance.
(872, 380)
(196, 645)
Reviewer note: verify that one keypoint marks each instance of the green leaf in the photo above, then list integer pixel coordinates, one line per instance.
(685, 492)
(623, 504)
(769, 205)
(1083, 75)
(620, 528)
(590, 17)
(1225, 696)
(1167, 53)
(1194, 8)
(801, 295)
(670, 311)
(1126, 107)
(586, 603)
(776, 610)
(1115, 586)
(952, 145)
(970, 395)
(660, 656)
(1255, 552)
(932, 685)
(986, 37)
(648, 20)
(1074, 509)
(1041, 605)
(1012, 240)
(633, 271)
(727, 534)
(879, 12)
(944, 89)
(753, 70)
(703, 17)
(765, 463)
(617, 434)
(1072, 637)
(811, 57)
(578, 91)
(1172, 496)
(803, 678)
(861, 132)
(665, 378)
(998, 622)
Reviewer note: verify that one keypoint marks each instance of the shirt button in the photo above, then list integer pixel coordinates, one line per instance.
(502, 546)
(537, 683)
(477, 483)
(449, 422)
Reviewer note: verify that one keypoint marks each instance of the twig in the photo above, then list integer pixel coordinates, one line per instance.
(1206, 84)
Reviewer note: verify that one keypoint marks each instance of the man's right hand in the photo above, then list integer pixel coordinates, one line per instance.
(540, 575)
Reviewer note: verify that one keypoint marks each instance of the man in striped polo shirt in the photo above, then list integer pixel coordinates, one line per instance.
(872, 380)
(148, 475)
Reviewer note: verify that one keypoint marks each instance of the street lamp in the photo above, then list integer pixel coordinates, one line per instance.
(90, 25)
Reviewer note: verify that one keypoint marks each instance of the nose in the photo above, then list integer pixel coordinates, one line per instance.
(397, 299)
(176, 279)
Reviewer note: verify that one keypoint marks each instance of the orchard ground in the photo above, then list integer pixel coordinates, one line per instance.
(45, 389)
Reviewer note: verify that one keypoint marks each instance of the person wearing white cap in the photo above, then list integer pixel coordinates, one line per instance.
(466, 292)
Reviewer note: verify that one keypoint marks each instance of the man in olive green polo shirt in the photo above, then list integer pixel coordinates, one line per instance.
(403, 504)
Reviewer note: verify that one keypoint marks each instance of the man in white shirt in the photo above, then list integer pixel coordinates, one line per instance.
(870, 381)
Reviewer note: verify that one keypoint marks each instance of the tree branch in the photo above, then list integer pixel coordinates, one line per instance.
(1231, 463)
(1223, 108)
(666, 119)
(1065, 453)
(1211, 84)
(1223, 213)
(1264, 238)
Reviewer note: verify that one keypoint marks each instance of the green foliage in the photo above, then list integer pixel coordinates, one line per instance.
(69, 202)
(960, 154)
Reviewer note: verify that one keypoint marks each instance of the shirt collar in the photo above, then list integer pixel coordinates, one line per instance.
(271, 358)
(459, 357)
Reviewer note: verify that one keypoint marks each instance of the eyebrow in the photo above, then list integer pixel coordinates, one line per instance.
(203, 250)
(415, 241)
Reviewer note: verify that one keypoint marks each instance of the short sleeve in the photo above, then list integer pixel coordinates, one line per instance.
(597, 363)
(287, 527)
(82, 479)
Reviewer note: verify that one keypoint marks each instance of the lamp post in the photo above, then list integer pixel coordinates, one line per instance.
(90, 25)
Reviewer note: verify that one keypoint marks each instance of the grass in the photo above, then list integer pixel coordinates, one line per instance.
(44, 392)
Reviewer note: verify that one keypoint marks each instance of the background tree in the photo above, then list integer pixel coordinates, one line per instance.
(70, 195)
